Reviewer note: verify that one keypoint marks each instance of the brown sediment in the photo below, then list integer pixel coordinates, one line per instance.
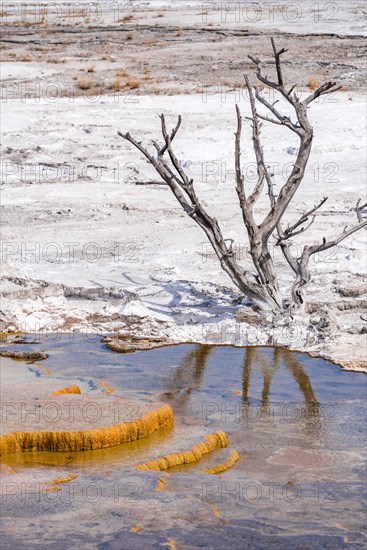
(130, 343)
(87, 440)
(24, 355)
(69, 389)
(224, 466)
(354, 365)
(213, 441)
(5, 335)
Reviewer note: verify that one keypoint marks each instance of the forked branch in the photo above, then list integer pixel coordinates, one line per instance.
(291, 230)
(303, 274)
(182, 187)
(262, 287)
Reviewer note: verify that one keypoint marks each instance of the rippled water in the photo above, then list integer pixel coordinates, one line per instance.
(298, 424)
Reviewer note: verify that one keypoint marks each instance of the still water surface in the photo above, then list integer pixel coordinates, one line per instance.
(297, 423)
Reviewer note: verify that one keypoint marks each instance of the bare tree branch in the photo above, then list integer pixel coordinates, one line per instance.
(282, 119)
(239, 176)
(277, 55)
(327, 88)
(303, 275)
(174, 132)
(258, 293)
(162, 171)
(268, 119)
(359, 209)
(290, 231)
(326, 244)
(262, 171)
(263, 290)
(174, 160)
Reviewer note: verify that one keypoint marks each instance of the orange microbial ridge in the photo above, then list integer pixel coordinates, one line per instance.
(70, 389)
(86, 440)
(224, 466)
(212, 442)
(54, 485)
(161, 484)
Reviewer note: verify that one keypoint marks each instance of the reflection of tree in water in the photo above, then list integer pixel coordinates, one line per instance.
(190, 372)
(312, 406)
(189, 375)
(254, 356)
(269, 364)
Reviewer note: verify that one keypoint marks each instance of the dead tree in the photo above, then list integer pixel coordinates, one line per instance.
(261, 288)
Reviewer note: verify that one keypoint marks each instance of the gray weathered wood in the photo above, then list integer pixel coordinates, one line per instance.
(262, 288)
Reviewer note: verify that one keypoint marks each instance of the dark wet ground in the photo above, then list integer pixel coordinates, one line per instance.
(298, 424)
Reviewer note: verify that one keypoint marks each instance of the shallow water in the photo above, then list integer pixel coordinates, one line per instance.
(298, 424)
